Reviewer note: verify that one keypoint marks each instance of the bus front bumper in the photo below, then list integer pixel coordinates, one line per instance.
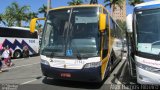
(87, 74)
(146, 77)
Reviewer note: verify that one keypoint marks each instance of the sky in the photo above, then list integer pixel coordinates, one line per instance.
(36, 4)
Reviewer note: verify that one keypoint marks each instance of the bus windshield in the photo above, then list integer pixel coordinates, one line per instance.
(71, 32)
(148, 31)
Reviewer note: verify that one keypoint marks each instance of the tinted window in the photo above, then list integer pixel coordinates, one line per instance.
(10, 32)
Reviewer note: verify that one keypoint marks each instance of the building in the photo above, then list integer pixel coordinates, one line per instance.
(119, 13)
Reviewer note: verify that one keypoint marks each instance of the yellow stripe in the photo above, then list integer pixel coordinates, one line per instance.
(83, 5)
(106, 59)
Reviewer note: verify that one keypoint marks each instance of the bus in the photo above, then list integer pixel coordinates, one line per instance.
(17, 37)
(144, 42)
(80, 43)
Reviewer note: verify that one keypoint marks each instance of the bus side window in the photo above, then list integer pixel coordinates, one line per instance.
(106, 42)
(2, 32)
(106, 38)
(35, 35)
(112, 28)
(107, 19)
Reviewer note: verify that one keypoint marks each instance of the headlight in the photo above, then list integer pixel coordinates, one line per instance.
(93, 64)
(44, 62)
(146, 67)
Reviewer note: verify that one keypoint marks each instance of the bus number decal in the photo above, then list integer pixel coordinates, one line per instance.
(31, 41)
(79, 62)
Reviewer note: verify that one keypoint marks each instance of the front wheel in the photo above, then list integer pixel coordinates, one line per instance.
(17, 54)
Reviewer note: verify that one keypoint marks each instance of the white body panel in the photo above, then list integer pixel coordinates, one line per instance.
(69, 63)
(33, 43)
(148, 77)
(17, 43)
(129, 23)
(117, 47)
(148, 3)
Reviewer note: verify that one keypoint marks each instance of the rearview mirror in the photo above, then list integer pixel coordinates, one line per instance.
(33, 24)
(129, 23)
(102, 22)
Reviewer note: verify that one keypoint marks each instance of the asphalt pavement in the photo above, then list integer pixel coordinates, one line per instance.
(23, 71)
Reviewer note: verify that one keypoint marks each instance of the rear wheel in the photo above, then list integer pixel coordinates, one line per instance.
(17, 54)
(111, 61)
(110, 66)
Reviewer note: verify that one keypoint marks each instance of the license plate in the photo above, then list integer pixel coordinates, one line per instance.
(67, 75)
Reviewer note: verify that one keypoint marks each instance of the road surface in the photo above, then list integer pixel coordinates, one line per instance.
(26, 75)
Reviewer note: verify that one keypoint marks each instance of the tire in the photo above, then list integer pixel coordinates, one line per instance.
(110, 67)
(17, 54)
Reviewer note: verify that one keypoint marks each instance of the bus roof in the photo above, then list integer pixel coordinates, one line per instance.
(83, 5)
(20, 28)
(148, 5)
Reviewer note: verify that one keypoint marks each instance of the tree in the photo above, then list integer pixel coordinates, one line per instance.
(15, 14)
(93, 1)
(113, 3)
(43, 10)
(122, 25)
(134, 2)
(1, 19)
(31, 15)
(75, 2)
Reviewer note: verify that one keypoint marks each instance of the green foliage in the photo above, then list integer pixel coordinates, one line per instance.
(122, 25)
(75, 2)
(43, 10)
(15, 14)
(134, 2)
(31, 15)
(1, 19)
(93, 1)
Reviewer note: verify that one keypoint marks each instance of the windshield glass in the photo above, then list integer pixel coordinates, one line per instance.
(71, 33)
(148, 31)
(55, 32)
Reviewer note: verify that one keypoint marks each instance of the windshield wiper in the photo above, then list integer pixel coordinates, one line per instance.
(52, 55)
(79, 57)
(49, 54)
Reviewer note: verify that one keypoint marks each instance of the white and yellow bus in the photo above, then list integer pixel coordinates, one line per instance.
(80, 43)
